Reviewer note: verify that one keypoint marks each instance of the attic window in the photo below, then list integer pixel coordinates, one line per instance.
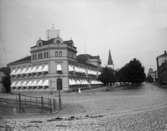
(58, 41)
(39, 43)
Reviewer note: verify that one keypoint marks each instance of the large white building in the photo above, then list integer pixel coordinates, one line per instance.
(54, 59)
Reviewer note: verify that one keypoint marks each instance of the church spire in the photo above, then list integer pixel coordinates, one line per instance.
(110, 61)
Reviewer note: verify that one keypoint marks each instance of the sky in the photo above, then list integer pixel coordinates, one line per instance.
(129, 28)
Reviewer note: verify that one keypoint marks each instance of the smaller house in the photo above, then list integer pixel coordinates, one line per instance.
(153, 74)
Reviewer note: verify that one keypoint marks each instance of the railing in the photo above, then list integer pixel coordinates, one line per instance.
(44, 104)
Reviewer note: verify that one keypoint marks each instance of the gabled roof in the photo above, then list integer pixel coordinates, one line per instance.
(26, 59)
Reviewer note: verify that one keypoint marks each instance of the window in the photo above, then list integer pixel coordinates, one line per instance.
(32, 56)
(59, 68)
(60, 53)
(40, 55)
(46, 54)
(35, 56)
(56, 54)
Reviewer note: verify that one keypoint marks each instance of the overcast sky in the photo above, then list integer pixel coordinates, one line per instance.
(129, 28)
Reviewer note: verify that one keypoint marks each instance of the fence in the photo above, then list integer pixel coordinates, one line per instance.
(44, 104)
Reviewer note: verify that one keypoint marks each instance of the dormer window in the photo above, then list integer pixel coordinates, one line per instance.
(39, 43)
(58, 41)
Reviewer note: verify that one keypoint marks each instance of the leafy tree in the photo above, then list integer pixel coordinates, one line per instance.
(107, 76)
(6, 79)
(132, 72)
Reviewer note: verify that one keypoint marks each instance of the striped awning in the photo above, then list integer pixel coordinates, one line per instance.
(29, 83)
(13, 72)
(34, 83)
(39, 69)
(13, 84)
(45, 68)
(91, 72)
(29, 70)
(58, 67)
(72, 82)
(18, 84)
(70, 68)
(39, 83)
(34, 69)
(24, 83)
(18, 71)
(23, 70)
(45, 83)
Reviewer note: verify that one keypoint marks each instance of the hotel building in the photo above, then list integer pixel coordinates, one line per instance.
(52, 60)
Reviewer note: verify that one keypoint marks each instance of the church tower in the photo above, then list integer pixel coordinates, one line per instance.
(110, 63)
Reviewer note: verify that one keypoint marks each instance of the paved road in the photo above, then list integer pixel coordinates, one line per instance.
(116, 101)
(119, 100)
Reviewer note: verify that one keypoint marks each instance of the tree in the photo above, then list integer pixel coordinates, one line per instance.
(107, 76)
(132, 72)
(6, 79)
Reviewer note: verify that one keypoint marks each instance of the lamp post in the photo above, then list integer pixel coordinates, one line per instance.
(59, 99)
(59, 88)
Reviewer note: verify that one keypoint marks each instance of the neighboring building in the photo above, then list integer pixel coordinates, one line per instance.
(52, 60)
(162, 68)
(153, 74)
(110, 63)
(2, 89)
